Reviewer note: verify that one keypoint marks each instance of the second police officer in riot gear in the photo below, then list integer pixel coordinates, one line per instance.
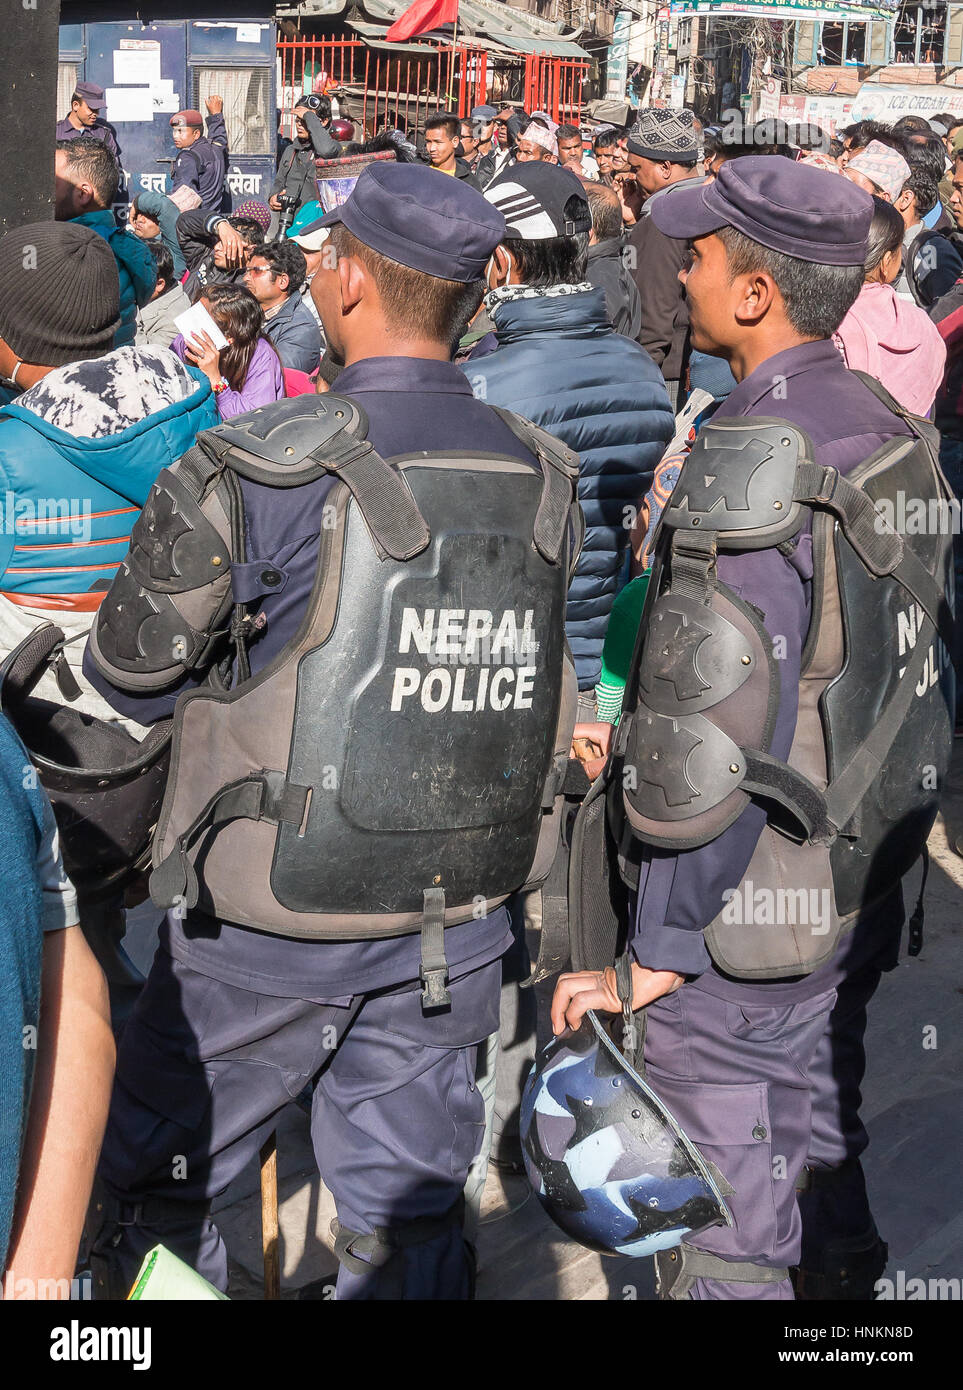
(779, 758)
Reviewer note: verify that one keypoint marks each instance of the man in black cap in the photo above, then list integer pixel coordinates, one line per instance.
(200, 168)
(85, 117)
(663, 150)
(397, 1116)
(756, 1011)
(295, 181)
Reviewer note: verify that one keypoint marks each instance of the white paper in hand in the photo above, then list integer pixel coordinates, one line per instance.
(197, 320)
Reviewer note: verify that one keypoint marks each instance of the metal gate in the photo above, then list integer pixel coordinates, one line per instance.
(382, 88)
(378, 87)
(555, 85)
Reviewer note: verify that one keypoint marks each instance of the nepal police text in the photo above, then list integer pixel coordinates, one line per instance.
(465, 645)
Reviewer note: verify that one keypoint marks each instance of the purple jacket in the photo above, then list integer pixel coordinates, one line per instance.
(264, 382)
(680, 894)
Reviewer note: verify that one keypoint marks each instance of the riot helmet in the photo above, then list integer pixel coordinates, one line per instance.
(608, 1161)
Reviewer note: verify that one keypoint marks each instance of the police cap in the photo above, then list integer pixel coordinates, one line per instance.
(91, 94)
(783, 204)
(421, 219)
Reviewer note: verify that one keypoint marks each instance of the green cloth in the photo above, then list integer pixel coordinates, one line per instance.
(620, 638)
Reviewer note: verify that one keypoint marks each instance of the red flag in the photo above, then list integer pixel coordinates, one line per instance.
(422, 16)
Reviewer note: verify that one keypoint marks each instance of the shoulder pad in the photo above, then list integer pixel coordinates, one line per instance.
(739, 481)
(284, 444)
(542, 444)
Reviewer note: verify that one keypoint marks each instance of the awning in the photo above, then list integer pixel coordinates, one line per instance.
(514, 30)
(374, 37)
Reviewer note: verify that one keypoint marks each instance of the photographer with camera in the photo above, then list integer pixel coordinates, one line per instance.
(294, 184)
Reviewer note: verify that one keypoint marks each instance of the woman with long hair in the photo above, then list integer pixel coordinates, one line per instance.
(891, 338)
(245, 374)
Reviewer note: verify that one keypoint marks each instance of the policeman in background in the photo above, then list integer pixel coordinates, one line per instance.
(760, 1061)
(201, 163)
(85, 117)
(251, 1018)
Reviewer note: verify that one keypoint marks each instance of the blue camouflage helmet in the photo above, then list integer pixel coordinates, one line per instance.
(609, 1163)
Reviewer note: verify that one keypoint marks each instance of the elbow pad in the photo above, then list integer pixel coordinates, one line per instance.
(167, 607)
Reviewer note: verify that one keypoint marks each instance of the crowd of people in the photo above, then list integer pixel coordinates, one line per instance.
(625, 292)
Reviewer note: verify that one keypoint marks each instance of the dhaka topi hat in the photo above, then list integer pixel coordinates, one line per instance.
(667, 135)
(538, 134)
(883, 166)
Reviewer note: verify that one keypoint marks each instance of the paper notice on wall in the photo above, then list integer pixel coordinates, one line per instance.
(128, 104)
(249, 33)
(138, 66)
(163, 96)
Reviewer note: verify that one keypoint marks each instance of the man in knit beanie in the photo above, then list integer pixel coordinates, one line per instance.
(59, 301)
(85, 428)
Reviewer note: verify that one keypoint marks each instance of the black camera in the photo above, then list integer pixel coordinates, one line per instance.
(287, 211)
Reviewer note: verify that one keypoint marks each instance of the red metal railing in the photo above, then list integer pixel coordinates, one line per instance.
(555, 85)
(381, 88)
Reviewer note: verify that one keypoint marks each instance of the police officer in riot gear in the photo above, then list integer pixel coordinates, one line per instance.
(767, 788)
(337, 924)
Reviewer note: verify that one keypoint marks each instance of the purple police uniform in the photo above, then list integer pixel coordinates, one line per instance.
(233, 1024)
(99, 131)
(203, 166)
(396, 1118)
(764, 1075)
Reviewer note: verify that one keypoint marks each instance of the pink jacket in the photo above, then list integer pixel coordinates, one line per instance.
(894, 341)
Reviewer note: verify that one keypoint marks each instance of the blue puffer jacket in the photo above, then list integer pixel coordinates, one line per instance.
(69, 501)
(559, 363)
(135, 266)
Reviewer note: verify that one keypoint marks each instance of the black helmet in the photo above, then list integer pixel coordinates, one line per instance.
(610, 1164)
(106, 788)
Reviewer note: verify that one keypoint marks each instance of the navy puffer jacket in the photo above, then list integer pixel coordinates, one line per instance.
(559, 363)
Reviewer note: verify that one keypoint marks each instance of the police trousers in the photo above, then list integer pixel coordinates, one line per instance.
(204, 1069)
(764, 1090)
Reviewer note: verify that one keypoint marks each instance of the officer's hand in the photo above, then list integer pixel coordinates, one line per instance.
(275, 202)
(215, 105)
(590, 745)
(233, 243)
(591, 989)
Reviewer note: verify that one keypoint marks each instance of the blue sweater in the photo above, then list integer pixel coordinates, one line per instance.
(135, 266)
(560, 364)
(21, 829)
